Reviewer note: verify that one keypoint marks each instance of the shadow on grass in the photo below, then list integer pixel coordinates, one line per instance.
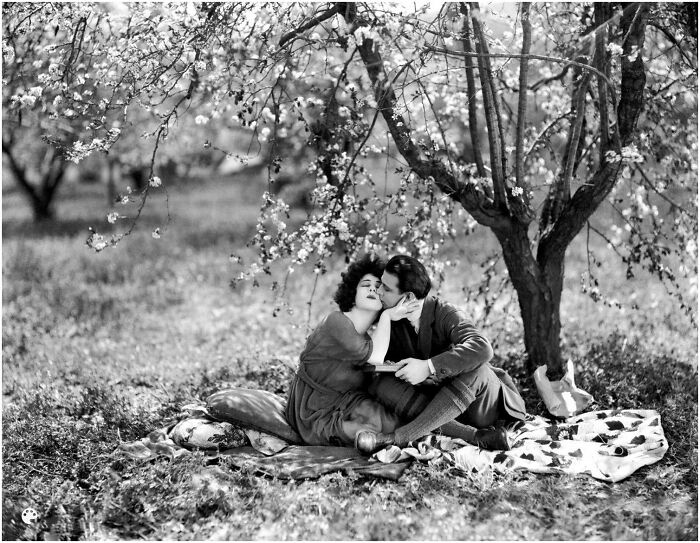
(625, 375)
(60, 437)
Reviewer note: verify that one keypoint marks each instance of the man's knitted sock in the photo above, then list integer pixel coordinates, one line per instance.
(439, 413)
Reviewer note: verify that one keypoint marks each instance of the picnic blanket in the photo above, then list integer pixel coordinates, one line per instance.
(608, 445)
(247, 448)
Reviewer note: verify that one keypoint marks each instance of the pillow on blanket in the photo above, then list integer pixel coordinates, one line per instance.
(203, 433)
(257, 409)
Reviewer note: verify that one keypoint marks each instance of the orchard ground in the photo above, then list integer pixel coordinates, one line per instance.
(103, 347)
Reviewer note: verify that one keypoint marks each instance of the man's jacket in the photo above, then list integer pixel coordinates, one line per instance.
(455, 346)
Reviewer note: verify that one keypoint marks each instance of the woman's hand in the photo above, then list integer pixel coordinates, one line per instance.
(403, 309)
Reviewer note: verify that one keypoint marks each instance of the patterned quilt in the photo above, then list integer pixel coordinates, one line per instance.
(608, 445)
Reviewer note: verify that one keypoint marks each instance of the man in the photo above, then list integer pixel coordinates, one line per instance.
(445, 382)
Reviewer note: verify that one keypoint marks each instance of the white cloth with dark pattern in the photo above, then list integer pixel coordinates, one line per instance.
(608, 445)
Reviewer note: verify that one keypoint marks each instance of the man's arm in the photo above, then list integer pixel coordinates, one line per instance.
(466, 348)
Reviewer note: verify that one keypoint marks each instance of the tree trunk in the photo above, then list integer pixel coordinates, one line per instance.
(539, 288)
(109, 174)
(42, 209)
(51, 172)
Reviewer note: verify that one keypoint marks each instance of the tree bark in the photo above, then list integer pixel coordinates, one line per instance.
(539, 288)
(471, 89)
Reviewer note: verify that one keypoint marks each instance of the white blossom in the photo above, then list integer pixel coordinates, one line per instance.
(614, 49)
(27, 100)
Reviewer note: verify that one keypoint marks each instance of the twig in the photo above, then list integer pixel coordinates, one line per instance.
(529, 56)
(609, 241)
(673, 40)
(309, 24)
(651, 186)
(74, 52)
(544, 131)
(442, 130)
(14, 31)
(311, 301)
(557, 77)
(32, 468)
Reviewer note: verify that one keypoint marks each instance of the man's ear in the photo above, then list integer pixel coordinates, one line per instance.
(410, 297)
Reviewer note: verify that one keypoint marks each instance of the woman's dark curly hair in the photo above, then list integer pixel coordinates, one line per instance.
(347, 288)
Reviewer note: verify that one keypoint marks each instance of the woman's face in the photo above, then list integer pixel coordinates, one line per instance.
(367, 296)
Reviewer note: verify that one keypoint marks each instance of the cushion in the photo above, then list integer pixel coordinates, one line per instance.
(203, 433)
(257, 409)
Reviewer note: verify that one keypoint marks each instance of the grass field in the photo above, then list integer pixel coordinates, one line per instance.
(103, 347)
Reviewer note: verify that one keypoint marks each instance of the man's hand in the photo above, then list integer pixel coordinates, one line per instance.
(413, 370)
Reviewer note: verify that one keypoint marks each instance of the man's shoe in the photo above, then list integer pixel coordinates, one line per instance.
(493, 439)
(368, 442)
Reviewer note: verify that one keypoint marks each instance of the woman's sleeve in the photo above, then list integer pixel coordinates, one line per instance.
(352, 346)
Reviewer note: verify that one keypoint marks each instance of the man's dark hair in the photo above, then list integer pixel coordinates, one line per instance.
(412, 275)
(347, 288)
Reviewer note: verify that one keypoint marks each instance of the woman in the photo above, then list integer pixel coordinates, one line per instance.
(326, 403)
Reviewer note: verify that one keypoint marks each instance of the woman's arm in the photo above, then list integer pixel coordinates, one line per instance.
(382, 332)
(380, 339)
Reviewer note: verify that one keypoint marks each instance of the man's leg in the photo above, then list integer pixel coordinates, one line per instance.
(472, 396)
(402, 398)
(410, 403)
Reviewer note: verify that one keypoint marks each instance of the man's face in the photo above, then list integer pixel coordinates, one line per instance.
(390, 293)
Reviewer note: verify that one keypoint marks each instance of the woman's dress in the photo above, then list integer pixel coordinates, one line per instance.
(327, 405)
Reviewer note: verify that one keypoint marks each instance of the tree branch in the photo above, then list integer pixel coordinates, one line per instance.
(75, 49)
(522, 100)
(571, 156)
(609, 241)
(590, 195)
(512, 56)
(495, 135)
(556, 77)
(471, 89)
(544, 132)
(674, 41)
(289, 36)
(657, 191)
(560, 192)
(467, 194)
(601, 14)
